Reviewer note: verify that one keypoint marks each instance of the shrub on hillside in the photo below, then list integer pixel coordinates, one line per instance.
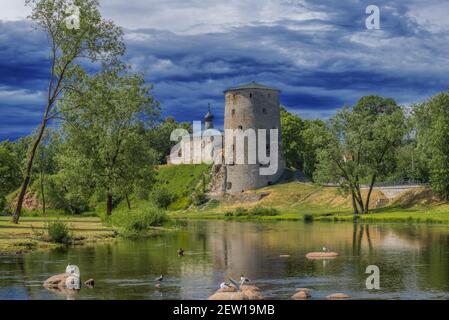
(261, 211)
(137, 221)
(58, 232)
(199, 198)
(162, 197)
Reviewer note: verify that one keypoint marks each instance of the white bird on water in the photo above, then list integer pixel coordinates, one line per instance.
(324, 249)
(243, 279)
(224, 285)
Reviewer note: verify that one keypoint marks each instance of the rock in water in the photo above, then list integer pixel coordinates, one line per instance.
(321, 255)
(338, 296)
(247, 292)
(302, 295)
(69, 280)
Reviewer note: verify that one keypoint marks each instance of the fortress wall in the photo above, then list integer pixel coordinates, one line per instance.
(255, 109)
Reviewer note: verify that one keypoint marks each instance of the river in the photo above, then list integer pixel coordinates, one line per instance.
(413, 262)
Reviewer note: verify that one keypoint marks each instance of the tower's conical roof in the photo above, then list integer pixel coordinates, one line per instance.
(209, 116)
(252, 85)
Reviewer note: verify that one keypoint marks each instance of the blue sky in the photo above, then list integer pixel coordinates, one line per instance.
(318, 52)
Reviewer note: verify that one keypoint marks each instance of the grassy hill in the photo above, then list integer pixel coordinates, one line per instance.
(306, 201)
(181, 181)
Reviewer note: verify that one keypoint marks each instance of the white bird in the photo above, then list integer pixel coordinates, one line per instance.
(160, 279)
(243, 279)
(224, 285)
(324, 249)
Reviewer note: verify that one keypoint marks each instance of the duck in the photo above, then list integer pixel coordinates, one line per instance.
(180, 251)
(159, 281)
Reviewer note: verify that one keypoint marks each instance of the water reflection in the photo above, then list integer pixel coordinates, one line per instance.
(413, 262)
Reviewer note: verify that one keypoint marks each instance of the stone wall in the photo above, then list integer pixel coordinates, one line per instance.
(251, 109)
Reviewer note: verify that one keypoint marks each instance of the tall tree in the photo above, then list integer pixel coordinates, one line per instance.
(159, 136)
(105, 134)
(432, 125)
(92, 38)
(9, 172)
(359, 144)
(298, 142)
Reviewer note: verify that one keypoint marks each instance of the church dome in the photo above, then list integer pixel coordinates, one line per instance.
(209, 116)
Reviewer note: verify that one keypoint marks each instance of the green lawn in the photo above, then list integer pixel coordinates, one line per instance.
(26, 236)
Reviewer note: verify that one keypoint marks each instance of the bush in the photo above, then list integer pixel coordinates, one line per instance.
(256, 211)
(199, 198)
(181, 203)
(2, 203)
(261, 211)
(162, 197)
(58, 232)
(240, 212)
(308, 218)
(139, 220)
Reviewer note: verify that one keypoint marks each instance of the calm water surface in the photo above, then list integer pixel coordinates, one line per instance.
(413, 259)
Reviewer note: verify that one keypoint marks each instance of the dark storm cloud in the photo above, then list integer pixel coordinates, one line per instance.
(318, 53)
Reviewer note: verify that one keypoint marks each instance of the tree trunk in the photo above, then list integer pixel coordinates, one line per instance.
(109, 205)
(128, 202)
(359, 197)
(368, 197)
(354, 204)
(27, 176)
(43, 192)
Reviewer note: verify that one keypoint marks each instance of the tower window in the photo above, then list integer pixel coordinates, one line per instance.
(250, 95)
(264, 111)
(233, 112)
(269, 95)
(229, 186)
(240, 127)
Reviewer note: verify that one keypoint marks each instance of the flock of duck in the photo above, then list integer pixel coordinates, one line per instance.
(70, 283)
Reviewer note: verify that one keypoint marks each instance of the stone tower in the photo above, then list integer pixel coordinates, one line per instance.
(209, 119)
(251, 106)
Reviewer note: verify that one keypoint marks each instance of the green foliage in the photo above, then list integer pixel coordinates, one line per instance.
(10, 173)
(182, 181)
(298, 142)
(137, 221)
(159, 137)
(58, 232)
(199, 198)
(308, 217)
(261, 211)
(94, 39)
(105, 149)
(432, 123)
(162, 197)
(257, 211)
(359, 144)
(181, 203)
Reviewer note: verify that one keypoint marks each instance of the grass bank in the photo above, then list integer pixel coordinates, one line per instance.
(27, 236)
(301, 201)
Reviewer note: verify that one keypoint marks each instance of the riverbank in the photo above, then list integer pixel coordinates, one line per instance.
(27, 236)
(309, 202)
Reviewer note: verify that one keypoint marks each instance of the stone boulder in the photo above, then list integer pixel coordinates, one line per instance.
(247, 292)
(302, 294)
(338, 296)
(321, 255)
